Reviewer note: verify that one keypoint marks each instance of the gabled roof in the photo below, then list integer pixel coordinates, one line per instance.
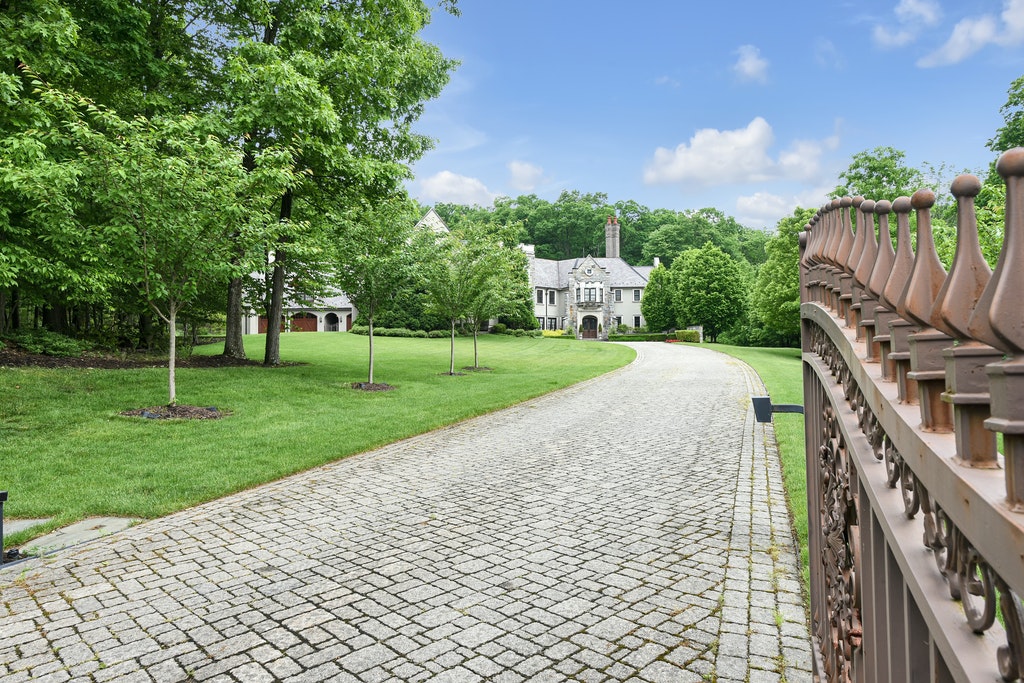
(555, 274)
(433, 221)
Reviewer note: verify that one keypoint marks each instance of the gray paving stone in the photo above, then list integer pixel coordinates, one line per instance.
(475, 552)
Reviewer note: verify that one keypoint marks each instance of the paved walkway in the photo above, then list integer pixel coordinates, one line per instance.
(629, 528)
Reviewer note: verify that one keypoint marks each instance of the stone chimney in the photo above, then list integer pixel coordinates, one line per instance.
(657, 261)
(611, 238)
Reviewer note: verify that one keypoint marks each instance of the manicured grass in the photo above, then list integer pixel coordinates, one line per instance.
(780, 370)
(66, 453)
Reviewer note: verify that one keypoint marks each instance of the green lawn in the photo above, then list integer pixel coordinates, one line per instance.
(66, 453)
(780, 370)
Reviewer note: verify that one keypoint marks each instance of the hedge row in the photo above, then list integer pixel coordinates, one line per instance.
(638, 337)
(433, 334)
(688, 336)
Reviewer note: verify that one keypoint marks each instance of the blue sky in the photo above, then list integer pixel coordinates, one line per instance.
(749, 107)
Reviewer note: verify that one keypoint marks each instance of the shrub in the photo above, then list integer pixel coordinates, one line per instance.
(536, 333)
(638, 337)
(360, 329)
(552, 333)
(438, 334)
(499, 328)
(519, 333)
(49, 343)
(418, 334)
(621, 328)
(688, 335)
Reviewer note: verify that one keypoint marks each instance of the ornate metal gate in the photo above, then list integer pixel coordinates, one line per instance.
(916, 523)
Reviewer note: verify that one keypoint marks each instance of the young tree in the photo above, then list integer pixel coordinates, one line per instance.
(454, 272)
(501, 290)
(1011, 133)
(373, 258)
(171, 198)
(656, 305)
(709, 290)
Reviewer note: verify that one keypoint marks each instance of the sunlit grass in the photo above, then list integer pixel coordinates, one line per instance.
(65, 452)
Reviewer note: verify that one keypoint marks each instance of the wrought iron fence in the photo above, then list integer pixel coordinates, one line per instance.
(916, 519)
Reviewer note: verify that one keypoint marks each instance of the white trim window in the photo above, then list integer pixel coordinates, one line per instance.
(618, 295)
(636, 295)
(540, 296)
(636, 321)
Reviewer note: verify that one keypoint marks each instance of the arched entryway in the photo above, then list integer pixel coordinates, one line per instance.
(589, 327)
(331, 322)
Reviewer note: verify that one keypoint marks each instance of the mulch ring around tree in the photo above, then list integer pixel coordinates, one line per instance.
(372, 386)
(176, 412)
(482, 368)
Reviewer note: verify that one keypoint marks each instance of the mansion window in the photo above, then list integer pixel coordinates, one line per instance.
(540, 296)
(618, 295)
(552, 323)
(540, 323)
(551, 298)
(636, 321)
(636, 295)
(590, 294)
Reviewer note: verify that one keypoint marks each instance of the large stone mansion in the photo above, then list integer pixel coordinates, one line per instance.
(588, 295)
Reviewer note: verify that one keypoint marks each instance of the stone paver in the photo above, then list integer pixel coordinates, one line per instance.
(632, 527)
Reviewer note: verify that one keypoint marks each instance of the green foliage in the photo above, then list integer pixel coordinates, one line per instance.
(499, 328)
(49, 343)
(775, 297)
(710, 290)
(656, 306)
(692, 336)
(692, 229)
(641, 337)
(1011, 133)
(880, 173)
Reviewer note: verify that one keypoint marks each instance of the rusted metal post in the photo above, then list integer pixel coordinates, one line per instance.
(966, 381)
(856, 252)
(1001, 304)
(878, 263)
(843, 260)
(862, 275)
(927, 363)
(895, 350)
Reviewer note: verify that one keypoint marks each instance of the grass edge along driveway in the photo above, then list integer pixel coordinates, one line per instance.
(66, 453)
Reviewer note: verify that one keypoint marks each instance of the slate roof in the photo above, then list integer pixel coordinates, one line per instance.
(555, 274)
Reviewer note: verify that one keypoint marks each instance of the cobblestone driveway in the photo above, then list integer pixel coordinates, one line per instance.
(629, 528)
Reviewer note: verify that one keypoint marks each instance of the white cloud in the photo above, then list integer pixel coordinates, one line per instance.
(666, 80)
(716, 157)
(751, 66)
(926, 11)
(911, 15)
(524, 176)
(457, 189)
(764, 209)
(971, 34)
(885, 37)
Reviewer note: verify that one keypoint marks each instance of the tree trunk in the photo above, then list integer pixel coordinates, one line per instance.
(476, 352)
(55, 318)
(451, 358)
(146, 331)
(15, 310)
(234, 346)
(272, 355)
(272, 352)
(171, 353)
(370, 377)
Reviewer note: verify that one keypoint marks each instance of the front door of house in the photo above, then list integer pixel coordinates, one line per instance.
(589, 327)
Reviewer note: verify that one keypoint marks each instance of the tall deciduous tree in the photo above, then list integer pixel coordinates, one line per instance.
(346, 79)
(709, 290)
(1011, 133)
(657, 306)
(879, 173)
(775, 299)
